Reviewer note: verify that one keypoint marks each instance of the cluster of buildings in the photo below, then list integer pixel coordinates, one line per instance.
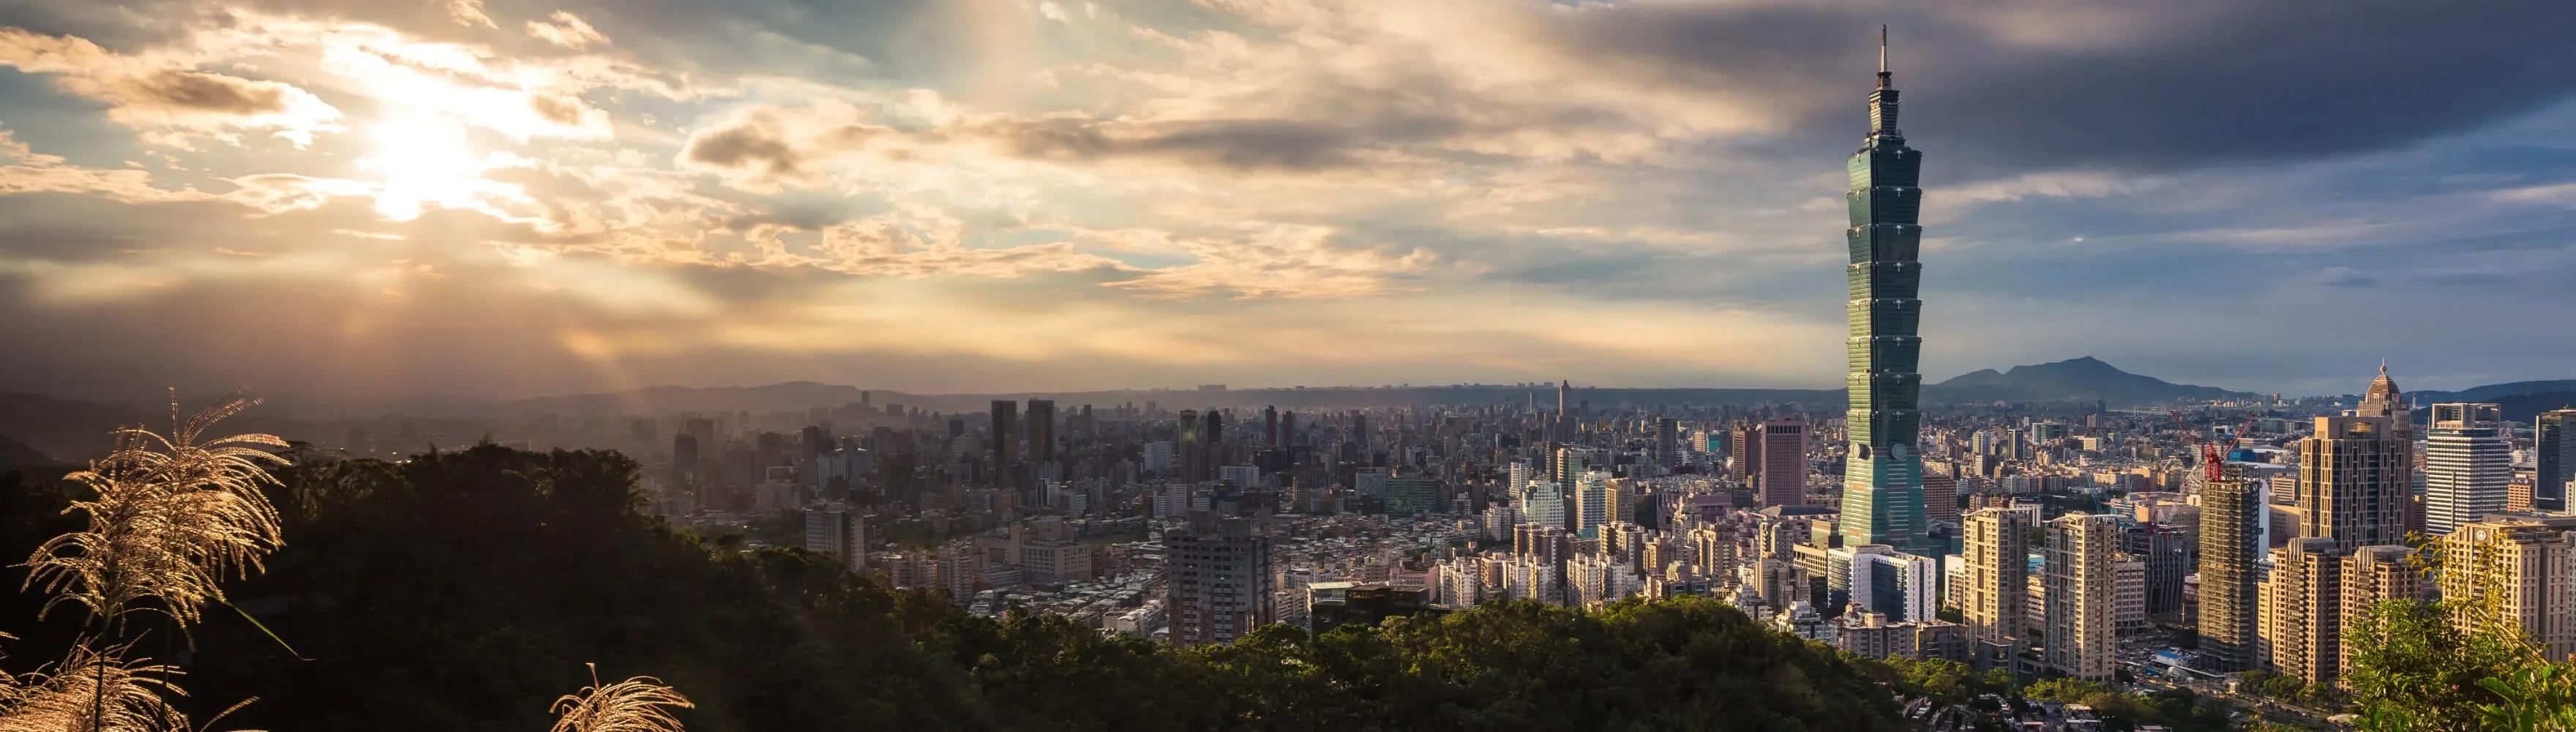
(2043, 539)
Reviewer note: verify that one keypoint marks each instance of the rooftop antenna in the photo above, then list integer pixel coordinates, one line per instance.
(1884, 80)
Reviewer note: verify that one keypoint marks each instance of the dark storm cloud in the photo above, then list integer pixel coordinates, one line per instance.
(2210, 85)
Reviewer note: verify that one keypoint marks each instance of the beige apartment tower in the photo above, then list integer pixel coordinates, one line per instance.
(2514, 573)
(2081, 599)
(1996, 549)
(2372, 575)
(2303, 609)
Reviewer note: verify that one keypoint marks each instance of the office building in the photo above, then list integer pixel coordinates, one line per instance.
(2468, 462)
(1411, 495)
(2553, 457)
(1217, 574)
(1006, 413)
(2231, 539)
(2082, 601)
(1332, 605)
(1041, 431)
(1780, 478)
(2517, 575)
(1882, 499)
(1940, 499)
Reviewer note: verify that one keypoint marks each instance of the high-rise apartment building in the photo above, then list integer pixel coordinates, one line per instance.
(2082, 601)
(2516, 574)
(1996, 550)
(1883, 476)
(2553, 457)
(1217, 574)
(1591, 503)
(2468, 462)
(2302, 609)
(836, 531)
(2372, 575)
(2231, 538)
(2353, 482)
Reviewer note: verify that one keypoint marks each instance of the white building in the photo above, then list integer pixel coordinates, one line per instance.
(2468, 465)
(837, 531)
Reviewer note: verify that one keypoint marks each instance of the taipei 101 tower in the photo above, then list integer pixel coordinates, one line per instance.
(1882, 500)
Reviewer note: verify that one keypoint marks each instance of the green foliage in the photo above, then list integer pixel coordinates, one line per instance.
(2412, 669)
(466, 590)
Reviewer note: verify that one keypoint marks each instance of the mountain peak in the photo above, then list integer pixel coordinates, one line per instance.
(2083, 378)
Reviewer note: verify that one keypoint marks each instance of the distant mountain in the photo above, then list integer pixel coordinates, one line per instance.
(62, 429)
(789, 396)
(2080, 379)
(2495, 392)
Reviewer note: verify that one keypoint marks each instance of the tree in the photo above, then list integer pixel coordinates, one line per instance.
(2413, 669)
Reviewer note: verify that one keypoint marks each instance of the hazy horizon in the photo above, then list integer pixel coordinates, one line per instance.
(470, 200)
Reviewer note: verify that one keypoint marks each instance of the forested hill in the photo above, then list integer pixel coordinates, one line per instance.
(464, 591)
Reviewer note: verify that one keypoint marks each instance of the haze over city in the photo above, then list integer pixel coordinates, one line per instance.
(392, 204)
(1067, 365)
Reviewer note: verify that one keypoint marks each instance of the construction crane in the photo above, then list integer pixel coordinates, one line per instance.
(2213, 459)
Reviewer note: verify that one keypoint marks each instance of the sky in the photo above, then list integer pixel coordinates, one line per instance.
(382, 203)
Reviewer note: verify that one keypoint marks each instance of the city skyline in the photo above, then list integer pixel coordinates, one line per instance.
(478, 200)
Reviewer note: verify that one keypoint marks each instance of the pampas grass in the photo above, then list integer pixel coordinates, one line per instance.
(95, 690)
(639, 704)
(170, 516)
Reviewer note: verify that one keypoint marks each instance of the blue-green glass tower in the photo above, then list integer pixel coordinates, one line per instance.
(1882, 499)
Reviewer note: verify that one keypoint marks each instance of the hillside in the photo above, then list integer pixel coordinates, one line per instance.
(2079, 379)
(464, 591)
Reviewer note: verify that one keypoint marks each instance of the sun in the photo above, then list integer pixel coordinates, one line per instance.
(425, 159)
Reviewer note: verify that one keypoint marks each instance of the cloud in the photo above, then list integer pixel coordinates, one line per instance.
(469, 13)
(1280, 262)
(142, 92)
(566, 30)
(2346, 277)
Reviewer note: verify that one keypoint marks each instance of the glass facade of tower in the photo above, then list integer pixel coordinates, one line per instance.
(1883, 479)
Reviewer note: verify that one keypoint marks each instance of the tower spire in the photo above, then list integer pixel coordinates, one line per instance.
(1884, 78)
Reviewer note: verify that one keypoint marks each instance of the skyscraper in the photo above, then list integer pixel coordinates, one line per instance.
(1041, 431)
(2231, 510)
(2080, 602)
(1781, 474)
(2383, 399)
(2468, 460)
(2553, 451)
(1005, 414)
(1883, 486)
(2353, 482)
